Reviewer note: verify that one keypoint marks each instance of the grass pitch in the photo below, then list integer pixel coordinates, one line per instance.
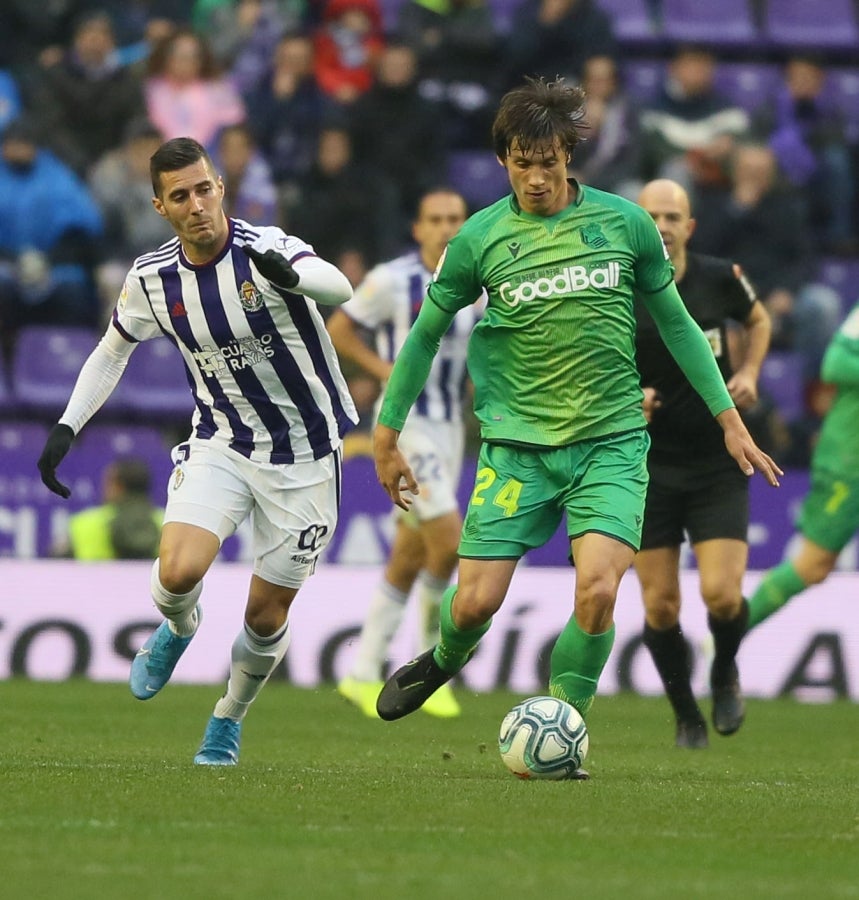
(100, 800)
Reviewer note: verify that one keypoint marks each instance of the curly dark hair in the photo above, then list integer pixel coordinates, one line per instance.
(538, 112)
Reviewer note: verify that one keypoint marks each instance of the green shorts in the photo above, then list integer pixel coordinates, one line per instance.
(830, 512)
(520, 494)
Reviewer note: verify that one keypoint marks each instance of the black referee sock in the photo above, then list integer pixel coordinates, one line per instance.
(727, 635)
(671, 657)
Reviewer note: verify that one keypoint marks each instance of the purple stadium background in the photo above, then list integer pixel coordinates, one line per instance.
(32, 519)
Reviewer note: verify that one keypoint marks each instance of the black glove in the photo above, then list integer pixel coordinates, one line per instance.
(56, 447)
(273, 266)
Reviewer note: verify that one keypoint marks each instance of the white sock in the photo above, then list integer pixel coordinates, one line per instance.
(180, 610)
(253, 659)
(383, 619)
(429, 596)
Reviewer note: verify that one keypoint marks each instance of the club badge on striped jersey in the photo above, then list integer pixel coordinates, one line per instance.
(251, 298)
(178, 477)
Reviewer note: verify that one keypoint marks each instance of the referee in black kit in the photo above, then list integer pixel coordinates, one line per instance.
(695, 486)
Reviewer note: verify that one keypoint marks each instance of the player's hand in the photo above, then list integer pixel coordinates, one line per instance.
(273, 266)
(392, 470)
(56, 447)
(651, 401)
(745, 451)
(743, 389)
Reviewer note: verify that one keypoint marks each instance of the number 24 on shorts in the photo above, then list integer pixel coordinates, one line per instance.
(506, 496)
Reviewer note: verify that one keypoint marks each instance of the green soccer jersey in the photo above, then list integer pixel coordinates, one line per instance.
(553, 359)
(837, 450)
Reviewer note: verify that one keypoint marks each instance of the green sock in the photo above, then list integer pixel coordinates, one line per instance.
(777, 587)
(577, 661)
(456, 644)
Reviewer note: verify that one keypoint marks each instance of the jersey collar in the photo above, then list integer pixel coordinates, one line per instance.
(215, 259)
(577, 202)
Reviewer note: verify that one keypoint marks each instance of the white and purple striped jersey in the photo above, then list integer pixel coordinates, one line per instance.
(259, 362)
(387, 302)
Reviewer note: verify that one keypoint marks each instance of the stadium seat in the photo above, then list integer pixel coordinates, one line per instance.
(390, 10)
(781, 381)
(23, 498)
(642, 77)
(803, 25)
(726, 23)
(842, 85)
(7, 401)
(21, 443)
(749, 85)
(631, 20)
(45, 365)
(99, 444)
(843, 276)
(502, 14)
(155, 383)
(477, 175)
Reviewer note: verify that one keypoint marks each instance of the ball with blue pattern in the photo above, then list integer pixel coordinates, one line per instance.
(543, 738)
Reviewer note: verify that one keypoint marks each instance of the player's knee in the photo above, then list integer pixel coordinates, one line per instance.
(266, 621)
(441, 560)
(661, 605)
(661, 617)
(817, 572)
(595, 604)
(723, 602)
(597, 591)
(268, 608)
(178, 575)
(470, 610)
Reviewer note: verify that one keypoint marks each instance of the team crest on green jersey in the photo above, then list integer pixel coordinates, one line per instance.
(251, 297)
(592, 236)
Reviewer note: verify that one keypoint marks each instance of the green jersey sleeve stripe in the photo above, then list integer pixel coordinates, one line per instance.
(657, 291)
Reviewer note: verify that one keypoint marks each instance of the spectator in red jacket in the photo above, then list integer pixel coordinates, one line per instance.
(347, 44)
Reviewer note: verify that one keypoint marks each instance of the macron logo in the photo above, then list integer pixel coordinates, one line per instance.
(570, 280)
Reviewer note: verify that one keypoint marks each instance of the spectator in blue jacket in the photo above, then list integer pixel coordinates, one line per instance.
(49, 233)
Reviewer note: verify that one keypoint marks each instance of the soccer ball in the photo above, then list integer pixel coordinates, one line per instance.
(543, 737)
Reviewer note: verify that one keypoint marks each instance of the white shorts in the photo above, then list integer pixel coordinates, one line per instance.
(293, 507)
(434, 452)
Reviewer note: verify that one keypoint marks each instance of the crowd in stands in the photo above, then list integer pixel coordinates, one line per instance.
(330, 117)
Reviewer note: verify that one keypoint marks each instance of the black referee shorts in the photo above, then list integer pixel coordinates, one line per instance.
(704, 501)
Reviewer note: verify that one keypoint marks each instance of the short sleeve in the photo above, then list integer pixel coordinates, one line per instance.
(133, 315)
(372, 304)
(741, 294)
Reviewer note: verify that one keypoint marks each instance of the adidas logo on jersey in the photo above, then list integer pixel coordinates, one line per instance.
(570, 280)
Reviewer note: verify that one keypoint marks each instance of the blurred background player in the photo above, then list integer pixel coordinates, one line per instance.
(125, 525)
(830, 512)
(426, 538)
(695, 486)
